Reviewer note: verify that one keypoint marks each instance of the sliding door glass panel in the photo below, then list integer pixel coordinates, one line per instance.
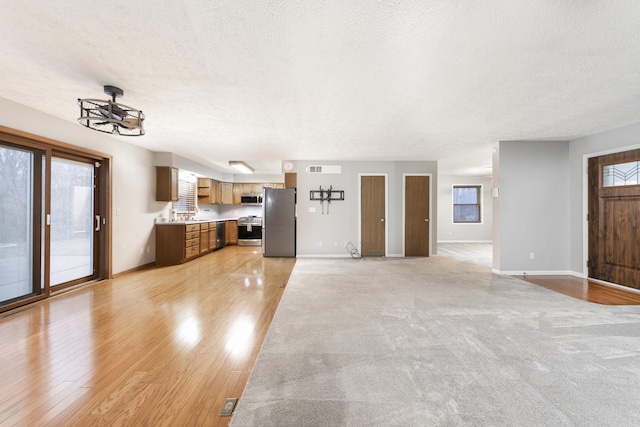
(16, 223)
(72, 220)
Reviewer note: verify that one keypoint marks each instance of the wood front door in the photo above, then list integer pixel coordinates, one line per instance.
(416, 216)
(614, 218)
(372, 220)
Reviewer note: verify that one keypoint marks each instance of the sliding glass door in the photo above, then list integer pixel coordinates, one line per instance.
(20, 223)
(73, 220)
(54, 221)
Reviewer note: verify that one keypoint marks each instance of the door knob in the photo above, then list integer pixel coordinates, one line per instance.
(426, 220)
(381, 219)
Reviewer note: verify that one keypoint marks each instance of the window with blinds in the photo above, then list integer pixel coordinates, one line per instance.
(186, 194)
(466, 203)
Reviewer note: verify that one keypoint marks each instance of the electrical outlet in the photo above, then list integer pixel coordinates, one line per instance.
(335, 243)
(532, 255)
(118, 211)
(320, 243)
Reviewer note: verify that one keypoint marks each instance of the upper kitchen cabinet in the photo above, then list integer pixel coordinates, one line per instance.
(227, 193)
(204, 190)
(240, 188)
(166, 184)
(237, 191)
(209, 191)
(290, 180)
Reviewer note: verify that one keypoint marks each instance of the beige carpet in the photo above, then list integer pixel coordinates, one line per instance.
(438, 341)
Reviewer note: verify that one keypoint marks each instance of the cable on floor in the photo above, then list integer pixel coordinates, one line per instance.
(353, 250)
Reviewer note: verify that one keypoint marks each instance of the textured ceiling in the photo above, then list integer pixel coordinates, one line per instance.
(333, 80)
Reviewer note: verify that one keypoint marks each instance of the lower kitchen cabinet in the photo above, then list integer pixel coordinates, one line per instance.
(176, 243)
(204, 237)
(231, 233)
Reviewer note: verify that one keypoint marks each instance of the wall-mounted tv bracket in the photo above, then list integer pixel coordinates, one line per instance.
(326, 195)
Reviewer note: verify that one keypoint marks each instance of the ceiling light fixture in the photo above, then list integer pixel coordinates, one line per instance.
(110, 116)
(240, 166)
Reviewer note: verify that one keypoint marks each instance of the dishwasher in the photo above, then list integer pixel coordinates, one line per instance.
(220, 229)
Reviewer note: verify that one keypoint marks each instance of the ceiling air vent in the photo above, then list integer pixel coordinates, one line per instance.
(336, 169)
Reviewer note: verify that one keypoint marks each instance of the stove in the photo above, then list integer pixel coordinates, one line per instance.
(250, 231)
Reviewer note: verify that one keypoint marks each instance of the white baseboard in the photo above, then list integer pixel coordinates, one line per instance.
(465, 241)
(533, 273)
(343, 256)
(324, 256)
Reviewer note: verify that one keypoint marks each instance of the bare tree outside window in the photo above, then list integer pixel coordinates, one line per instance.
(466, 204)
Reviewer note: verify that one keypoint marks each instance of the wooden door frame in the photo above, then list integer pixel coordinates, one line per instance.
(404, 190)
(386, 210)
(585, 208)
(22, 138)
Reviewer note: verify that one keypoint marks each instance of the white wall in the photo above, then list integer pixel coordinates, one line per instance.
(341, 224)
(133, 180)
(495, 205)
(533, 207)
(450, 232)
(560, 172)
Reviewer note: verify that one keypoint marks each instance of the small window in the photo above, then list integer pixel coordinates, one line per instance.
(621, 174)
(466, 203)
(186, 194)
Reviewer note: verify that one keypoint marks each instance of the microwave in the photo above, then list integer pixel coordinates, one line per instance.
(251, 199)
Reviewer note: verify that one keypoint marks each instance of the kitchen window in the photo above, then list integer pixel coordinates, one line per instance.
(187, 188)
(466, 204)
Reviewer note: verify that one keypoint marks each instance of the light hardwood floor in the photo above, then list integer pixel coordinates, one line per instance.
(163, 346)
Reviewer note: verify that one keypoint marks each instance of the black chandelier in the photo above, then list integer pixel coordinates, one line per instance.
(110, 116)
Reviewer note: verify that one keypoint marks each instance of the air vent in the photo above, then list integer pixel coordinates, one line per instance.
(335, 169)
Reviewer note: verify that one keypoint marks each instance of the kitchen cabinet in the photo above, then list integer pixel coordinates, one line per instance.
(231, 233)
(209, 191)
(290, 180)
(226, 197)
(166, 184)
(240, 188)
(204, 187)
(216, 192)
(204, 237)
(176, 243)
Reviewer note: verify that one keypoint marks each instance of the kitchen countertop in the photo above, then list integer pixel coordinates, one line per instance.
(196, 221)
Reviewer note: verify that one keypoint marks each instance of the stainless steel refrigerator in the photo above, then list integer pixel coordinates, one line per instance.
(279, 222)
